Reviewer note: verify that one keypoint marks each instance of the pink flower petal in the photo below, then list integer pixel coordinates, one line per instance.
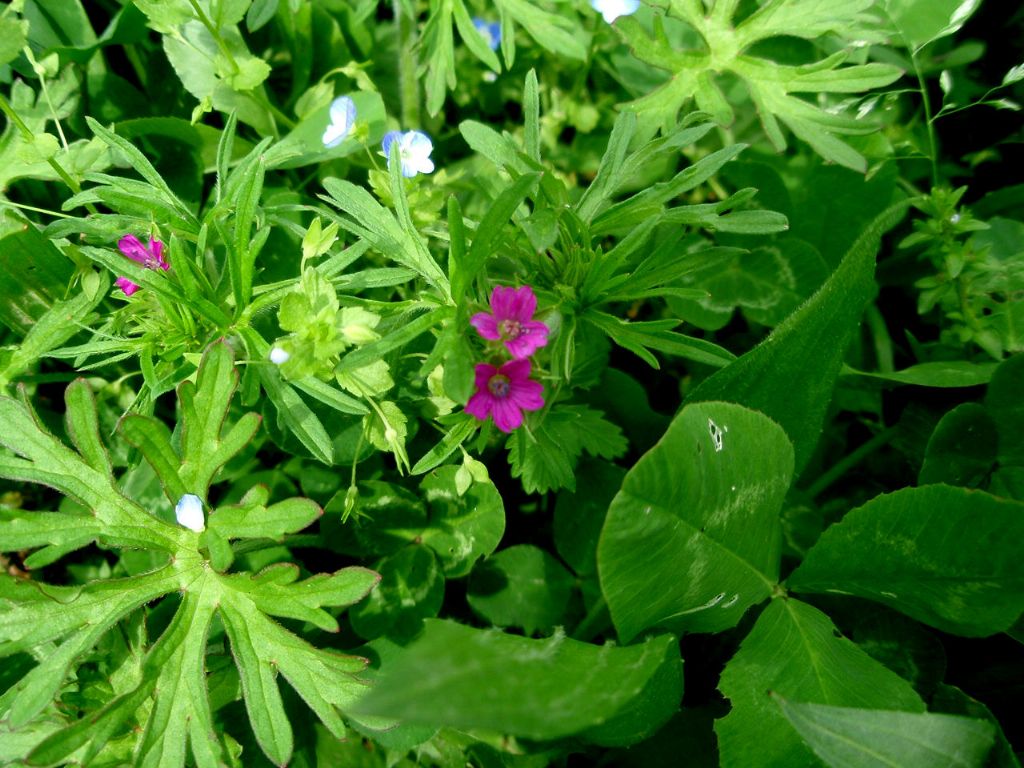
(517, 371)
(506, 415)
(480, 404)
(502, 298)
(532, 336)
(482, 375)
(526, 304)
(133, 248)
(126, 285)
(527, 395)
(156, 247)
(486, 325)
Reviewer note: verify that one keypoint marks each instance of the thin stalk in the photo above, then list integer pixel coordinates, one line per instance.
(594, 623)
(214, 33)
(849, 461)
(29, 136)
(47, 211)
(408, 85)
(933, 152)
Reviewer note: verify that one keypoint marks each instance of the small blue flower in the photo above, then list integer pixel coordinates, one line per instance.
(612, 9)
(189, 512)
(414, 148)
(490, 31)
(343, 117)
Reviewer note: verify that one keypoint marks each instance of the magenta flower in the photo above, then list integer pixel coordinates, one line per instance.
(505, 393)
(150, 256)
(511, 321)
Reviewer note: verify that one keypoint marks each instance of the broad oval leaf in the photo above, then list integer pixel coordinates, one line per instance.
(543, 689)
(692, 540)
(906, 549)
(790, 375)
(879, 738)
(795, 651)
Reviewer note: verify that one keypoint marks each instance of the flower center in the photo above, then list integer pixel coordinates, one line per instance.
(511, 329)
(499, 386)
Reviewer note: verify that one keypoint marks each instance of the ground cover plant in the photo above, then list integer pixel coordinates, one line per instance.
(462, 383)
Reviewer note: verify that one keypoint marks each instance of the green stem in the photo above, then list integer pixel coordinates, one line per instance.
(23, 206)
(29, 136)
(594, 623)
(214, 33)
(408, 85)
(926, 101)
(849, 461)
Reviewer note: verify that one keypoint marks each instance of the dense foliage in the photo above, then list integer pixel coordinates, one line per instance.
(462, 383)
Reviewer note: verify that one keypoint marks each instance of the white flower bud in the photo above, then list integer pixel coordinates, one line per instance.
(279, 356)
(189, 512)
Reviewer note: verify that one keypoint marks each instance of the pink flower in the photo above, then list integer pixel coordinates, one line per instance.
(512, 321)
(150, 256)
(505, 393)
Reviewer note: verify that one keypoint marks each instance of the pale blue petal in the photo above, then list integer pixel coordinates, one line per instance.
(389, 138)
(343, 118)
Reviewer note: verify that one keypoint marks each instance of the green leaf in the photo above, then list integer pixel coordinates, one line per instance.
(153, 438)
(200, 62)
(292, 412)
(906, 550)
(402, 335)
(580, 514)
(558, 34)
(259, 688)
(140, 163)
(12, 37)
(204, 407)
(790, 376)
(304, 144)
(919, 22)
(489, 233)
(544, 457)
(1004, 405)
(963, 448)
(643, 336)
(945, 374)
(771, 84)
(438, 61)
(161, 704)
(411, 589)
(767, 283)
(36, 276)
(462, 527)
(475, 41)
(250, 520)
(709, 493)
(452, 439)
(470, 678)
(58, 324)
(878, 738)
(371, 221)
(521, 586)
(795, 651)
(242, 249)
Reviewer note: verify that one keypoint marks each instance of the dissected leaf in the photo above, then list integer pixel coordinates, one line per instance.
(772, 86)
(167, 704)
